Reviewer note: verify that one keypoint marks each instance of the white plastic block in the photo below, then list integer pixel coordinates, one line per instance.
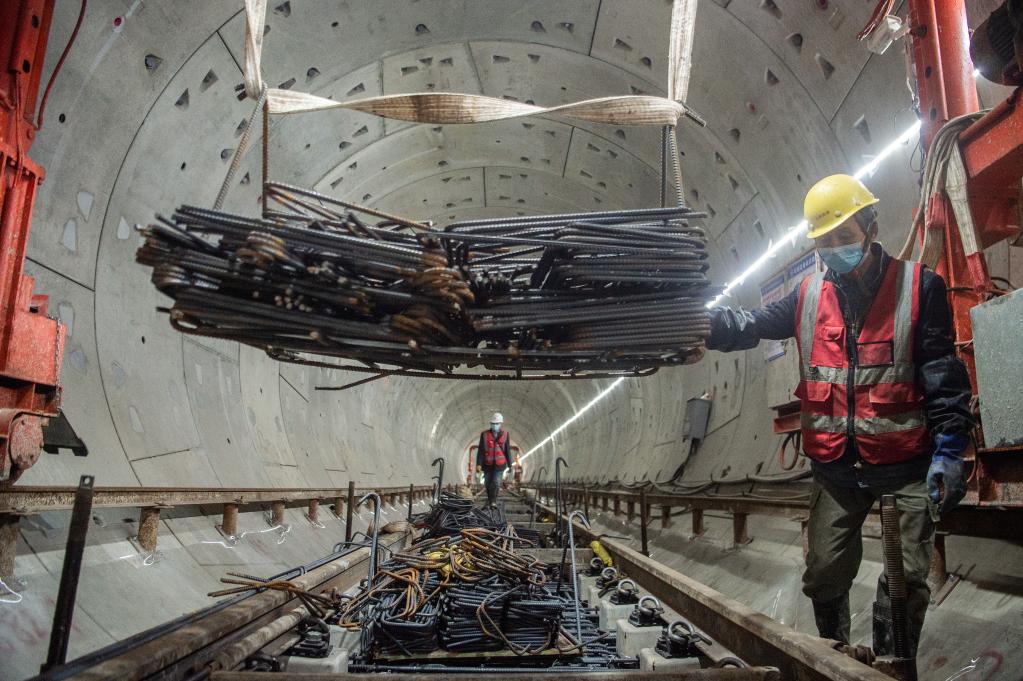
(632, 639)
(651, 661)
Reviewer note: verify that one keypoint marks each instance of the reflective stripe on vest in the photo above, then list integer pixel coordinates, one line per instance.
(888, 420)
(493, 454)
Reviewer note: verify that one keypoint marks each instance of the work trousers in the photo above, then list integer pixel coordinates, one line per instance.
(836, 545)
(492, 479)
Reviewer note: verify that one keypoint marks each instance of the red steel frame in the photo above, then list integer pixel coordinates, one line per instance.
(992, 151)
(31, 344)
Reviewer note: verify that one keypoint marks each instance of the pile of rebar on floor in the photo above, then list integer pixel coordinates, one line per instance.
(619, 292)
(470, 594)
(452, 514)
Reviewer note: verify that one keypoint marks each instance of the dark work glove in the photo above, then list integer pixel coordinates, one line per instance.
(947, 472)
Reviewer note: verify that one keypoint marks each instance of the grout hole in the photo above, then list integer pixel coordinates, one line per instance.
(538, 27)
(826, 67)
(771, 8)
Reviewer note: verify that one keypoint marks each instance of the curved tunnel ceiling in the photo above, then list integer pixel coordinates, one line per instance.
(146, 115)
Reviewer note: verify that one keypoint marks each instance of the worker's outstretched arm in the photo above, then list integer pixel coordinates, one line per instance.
(481, 449)
(945, 384)
(741, 330)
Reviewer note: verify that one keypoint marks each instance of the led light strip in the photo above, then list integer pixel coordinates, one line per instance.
(589, 405)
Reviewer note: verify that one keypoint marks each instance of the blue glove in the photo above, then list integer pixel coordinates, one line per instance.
(947, 471)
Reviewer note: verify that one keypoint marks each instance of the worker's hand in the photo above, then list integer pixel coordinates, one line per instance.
(946, 478)
(479, 469)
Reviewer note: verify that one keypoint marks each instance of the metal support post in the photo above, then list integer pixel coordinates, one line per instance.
(64, 610)
(314, 509)
(339, 502)
(149, 523)
(665, 517)
(229, 521)
(603, 503)
(349, 509)
(411, 494)
(617, 505)
(698, 527)
(586, 502)
(739, 534)
(8, 544)
(276, 513)
(631, 513)
(643, 518)
(938, 578)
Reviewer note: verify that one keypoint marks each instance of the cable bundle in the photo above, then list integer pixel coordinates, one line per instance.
(572, 295)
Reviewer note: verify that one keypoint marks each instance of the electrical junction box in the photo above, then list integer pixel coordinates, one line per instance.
(697, 417)
(996, 342)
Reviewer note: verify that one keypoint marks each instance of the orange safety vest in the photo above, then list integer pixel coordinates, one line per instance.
(493, 453)
(873, 399)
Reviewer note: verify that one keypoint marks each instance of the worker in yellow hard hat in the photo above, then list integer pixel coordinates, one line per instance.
(884, 400)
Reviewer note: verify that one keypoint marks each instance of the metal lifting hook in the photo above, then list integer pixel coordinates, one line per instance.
(540, 486)
(558, 504)
(376, 531)
(440, 476)
(575, 575)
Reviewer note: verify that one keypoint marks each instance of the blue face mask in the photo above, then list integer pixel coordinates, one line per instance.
(842, 259)
(495, 427)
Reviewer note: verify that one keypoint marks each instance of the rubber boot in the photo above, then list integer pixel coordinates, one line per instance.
(833, 618)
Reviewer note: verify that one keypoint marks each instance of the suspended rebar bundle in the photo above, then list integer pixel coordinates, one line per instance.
(561, 296)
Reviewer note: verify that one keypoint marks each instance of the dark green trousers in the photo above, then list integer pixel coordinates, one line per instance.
(836, 544)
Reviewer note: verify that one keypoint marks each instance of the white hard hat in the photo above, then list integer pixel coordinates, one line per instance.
(497, 418)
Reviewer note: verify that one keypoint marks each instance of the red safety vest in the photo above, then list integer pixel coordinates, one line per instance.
(493, 454)
(876, 399)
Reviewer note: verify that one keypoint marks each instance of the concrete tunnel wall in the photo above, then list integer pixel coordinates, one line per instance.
(146, 114)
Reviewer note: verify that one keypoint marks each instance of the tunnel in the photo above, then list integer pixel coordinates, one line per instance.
(146, 114)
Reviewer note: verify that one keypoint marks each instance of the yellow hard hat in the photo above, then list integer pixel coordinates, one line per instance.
(832, 201)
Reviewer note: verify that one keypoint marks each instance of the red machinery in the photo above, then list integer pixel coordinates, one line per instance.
(992, 155)
(31, 343)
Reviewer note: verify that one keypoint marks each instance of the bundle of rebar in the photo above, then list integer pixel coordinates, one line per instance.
(452, 514)
(572, 295)
(467, 593)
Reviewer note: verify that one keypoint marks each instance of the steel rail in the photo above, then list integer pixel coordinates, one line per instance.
(757, 637)
(30, 499)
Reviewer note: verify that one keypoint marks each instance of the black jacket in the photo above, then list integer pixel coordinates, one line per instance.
(940, 375)
(482, 449)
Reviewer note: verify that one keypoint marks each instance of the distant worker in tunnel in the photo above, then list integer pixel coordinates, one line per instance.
(493, 455)
(884, 401)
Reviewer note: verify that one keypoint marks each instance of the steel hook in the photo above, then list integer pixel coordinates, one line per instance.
(376, 531)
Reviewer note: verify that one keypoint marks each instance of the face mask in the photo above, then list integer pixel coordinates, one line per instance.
(843, 259)
(495, 427)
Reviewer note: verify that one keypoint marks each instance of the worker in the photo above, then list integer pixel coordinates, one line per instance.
(884, 401)
(492, 456)
(517, 468)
